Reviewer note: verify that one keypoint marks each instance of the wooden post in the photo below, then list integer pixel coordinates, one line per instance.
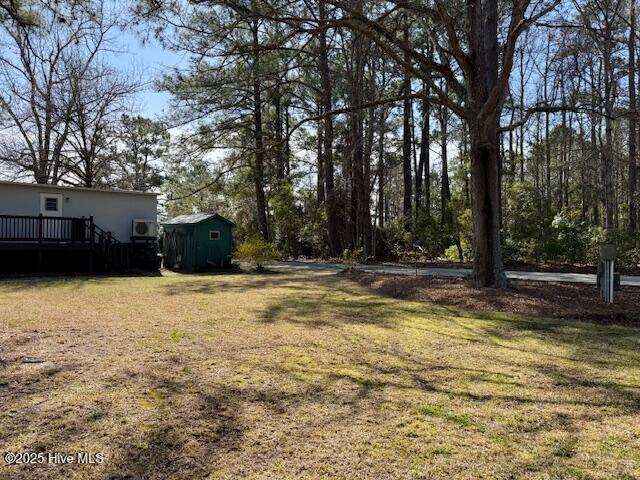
(40, 235)
(92, 231)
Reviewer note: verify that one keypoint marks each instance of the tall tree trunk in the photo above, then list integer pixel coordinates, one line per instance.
(367, 229)
(595, 161)
(287, 144)
(584, 211)
(418, 169)
(278, 122)
(522, 113)
(406, 140)
(563, 149)
(547, 141)
(445, 192)
(381, 168)
(488, 268)
(607, 151)
(335, 244)
(633, 206)
(359, 202)
(425, 157)
(568, 166)
(320, 154)
(258, 170)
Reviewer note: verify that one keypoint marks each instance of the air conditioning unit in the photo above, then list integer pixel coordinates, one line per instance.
(144, 228)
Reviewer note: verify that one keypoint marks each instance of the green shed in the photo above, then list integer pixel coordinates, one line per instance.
(198, 241)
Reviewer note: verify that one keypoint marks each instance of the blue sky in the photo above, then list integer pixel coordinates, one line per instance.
(150, 60)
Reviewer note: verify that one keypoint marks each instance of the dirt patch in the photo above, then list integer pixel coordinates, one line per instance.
(542, 299)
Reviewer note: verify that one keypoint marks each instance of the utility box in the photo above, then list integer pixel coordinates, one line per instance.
(607, 252)
(606, 274)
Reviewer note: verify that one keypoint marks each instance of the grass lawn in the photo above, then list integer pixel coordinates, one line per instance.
(284, 376)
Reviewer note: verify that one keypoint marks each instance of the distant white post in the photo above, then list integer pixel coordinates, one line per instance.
(608, 255)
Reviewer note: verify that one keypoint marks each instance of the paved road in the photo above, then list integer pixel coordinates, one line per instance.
(447, 272)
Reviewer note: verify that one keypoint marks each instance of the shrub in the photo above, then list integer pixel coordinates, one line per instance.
(352, 256)
(256, 251)
(452, 254)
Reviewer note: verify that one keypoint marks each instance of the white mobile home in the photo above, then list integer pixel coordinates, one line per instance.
(105, 223)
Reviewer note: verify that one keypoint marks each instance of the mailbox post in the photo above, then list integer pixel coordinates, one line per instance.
(607, 256)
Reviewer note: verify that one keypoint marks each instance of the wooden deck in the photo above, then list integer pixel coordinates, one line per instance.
(40, 234)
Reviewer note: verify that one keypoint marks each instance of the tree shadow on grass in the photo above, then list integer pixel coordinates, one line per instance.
(207, 284)
(329, 310)
(443, 367)
(568, 345)
(182, 441)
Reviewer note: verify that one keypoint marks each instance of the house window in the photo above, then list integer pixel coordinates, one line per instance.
(51, 204)
(214, 235)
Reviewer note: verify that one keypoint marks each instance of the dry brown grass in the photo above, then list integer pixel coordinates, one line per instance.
(285, 376)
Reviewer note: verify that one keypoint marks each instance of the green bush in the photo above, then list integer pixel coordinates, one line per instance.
(256, 251)
(452, 254)
(352, 256)
(429, 236)
(286, 219)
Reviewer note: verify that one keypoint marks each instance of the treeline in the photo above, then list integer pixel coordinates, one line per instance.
(384, 127)
(473, 129)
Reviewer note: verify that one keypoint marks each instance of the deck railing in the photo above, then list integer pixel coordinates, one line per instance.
(22, 228)
(68, 230)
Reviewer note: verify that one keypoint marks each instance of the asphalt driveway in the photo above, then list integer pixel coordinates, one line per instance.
(585, 278)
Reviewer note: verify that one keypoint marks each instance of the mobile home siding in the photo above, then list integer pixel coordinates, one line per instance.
(111, 210)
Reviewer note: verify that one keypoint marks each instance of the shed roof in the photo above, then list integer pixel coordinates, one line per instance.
(193, 218)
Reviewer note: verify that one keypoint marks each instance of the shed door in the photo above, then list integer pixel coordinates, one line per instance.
(215, 242)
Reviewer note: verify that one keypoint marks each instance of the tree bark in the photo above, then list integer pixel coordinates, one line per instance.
(278, 122)
(488, 268)
(334, 243)
(445, 191)
(425, 157)
(320, 155)
(522, 157)
(607, 150)
(258, 170)
(381, 168)
(406, 141)
(633, 206)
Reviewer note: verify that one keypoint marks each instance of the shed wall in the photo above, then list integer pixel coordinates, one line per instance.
(215, 251)
(191, 243)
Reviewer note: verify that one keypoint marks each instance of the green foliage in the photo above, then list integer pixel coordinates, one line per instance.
(527, 225)
(144, 145)
(256, 251)
(627, 246)
(191, 187)
(428, 235)
(395, 240)
(353, 256)
(570, 238)
(287, 218)
(312, 232)
(534, 232)
(452, 254)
